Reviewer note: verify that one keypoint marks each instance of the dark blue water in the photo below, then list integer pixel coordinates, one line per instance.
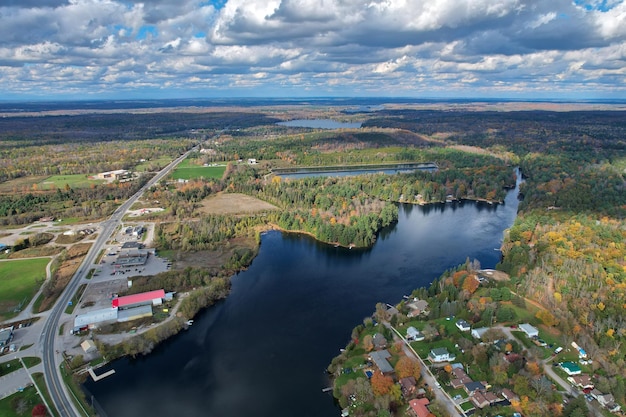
(319, 124)
(263, 351)
(350, 173)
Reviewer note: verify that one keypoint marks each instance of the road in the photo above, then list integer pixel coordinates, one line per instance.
(61, 397)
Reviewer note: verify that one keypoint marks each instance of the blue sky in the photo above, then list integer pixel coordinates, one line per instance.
(56, 49)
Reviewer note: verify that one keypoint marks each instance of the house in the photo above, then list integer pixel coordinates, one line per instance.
(413, 334)
(440, 355)
(510, 395)
(581, 381)
(459, 378)
(570, 368)
(417, 408)
(417, 307)
(482, 400)
(474, 386)
(379, 341)
(478, 333)
(463, 326)
(512, 357)
(606, 400)
(529, 330)
(408, 386)
(379, 358)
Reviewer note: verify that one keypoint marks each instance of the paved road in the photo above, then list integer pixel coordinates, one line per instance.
(59, 393)
(440, 395)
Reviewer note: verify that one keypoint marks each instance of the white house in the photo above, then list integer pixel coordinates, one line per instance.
(478, 333)
(440, 355)
(463, 326)
(529, 330)
(413, 334)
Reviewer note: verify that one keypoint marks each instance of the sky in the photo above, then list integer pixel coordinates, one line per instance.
(128, 49)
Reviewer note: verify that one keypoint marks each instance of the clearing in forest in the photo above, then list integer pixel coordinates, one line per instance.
(234, 203)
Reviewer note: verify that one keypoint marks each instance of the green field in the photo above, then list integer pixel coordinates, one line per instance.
(188, 171)
(74, 181)
(19, 280)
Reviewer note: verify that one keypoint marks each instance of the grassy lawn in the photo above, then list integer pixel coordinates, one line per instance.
(10, 366)
(76, 297)
(41, 384)
(20, 404)
(74, 181)
(144, 166)
(423, 348)
(19, 281)
(31, 361)
(77, 394)
(187, 171)
(467, 406)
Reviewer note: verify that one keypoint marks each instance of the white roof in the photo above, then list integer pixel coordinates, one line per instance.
(95, 316)
(528, 329)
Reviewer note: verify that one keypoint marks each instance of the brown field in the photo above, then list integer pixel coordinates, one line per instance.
(227, 203)
(213, 260)
(61, 278)
(20, 184)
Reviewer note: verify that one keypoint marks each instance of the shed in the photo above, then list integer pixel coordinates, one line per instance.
(88, 346)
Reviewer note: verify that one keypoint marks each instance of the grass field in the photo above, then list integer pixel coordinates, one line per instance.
(20, 404)
(19, 280)
(74, 181)
(188, 171)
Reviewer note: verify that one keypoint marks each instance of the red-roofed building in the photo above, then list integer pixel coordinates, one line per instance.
(418, 408)
(150, 297)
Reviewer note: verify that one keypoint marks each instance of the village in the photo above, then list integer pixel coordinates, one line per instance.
(494, 370)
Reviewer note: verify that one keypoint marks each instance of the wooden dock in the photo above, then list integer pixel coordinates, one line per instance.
(97, 378)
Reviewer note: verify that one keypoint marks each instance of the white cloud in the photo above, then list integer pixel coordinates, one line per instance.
(317, 46)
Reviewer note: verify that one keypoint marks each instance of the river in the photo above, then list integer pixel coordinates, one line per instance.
(263, 351)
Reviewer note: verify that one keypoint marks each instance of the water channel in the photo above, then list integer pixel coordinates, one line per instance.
(263, 351)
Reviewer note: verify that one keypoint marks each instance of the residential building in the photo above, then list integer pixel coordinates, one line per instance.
(478, 333)
(379, 341)
(581, 381)
(483, 399)
(463, 326)
(570, 368)
(440, 355)
(474, 386)
(418, 408)
(417, 307)
(510, 395)
(529, 330)
(413, 334)
(408, 386)
(379, 358)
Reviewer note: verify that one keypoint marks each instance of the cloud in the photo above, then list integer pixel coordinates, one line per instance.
(402, 47)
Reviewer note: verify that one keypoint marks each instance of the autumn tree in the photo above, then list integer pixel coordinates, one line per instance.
(381, 384)
(39, 411)
(368, 343)
(406, 367)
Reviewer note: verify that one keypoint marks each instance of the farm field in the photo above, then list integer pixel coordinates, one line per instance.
(19, 281)
(234, 203)
(188, 171)
(74, 181)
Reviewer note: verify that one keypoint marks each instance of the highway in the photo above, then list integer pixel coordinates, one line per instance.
(61, 397)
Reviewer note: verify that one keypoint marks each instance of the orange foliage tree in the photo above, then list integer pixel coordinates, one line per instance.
(406, 367)
(381, 384)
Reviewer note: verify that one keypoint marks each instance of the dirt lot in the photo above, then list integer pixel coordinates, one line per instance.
(233, 203)
(215, 259)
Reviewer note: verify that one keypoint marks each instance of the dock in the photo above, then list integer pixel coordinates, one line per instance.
(97, 378)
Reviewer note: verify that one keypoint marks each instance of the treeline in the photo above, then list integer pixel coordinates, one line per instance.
(86, 158)
(88, 203)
